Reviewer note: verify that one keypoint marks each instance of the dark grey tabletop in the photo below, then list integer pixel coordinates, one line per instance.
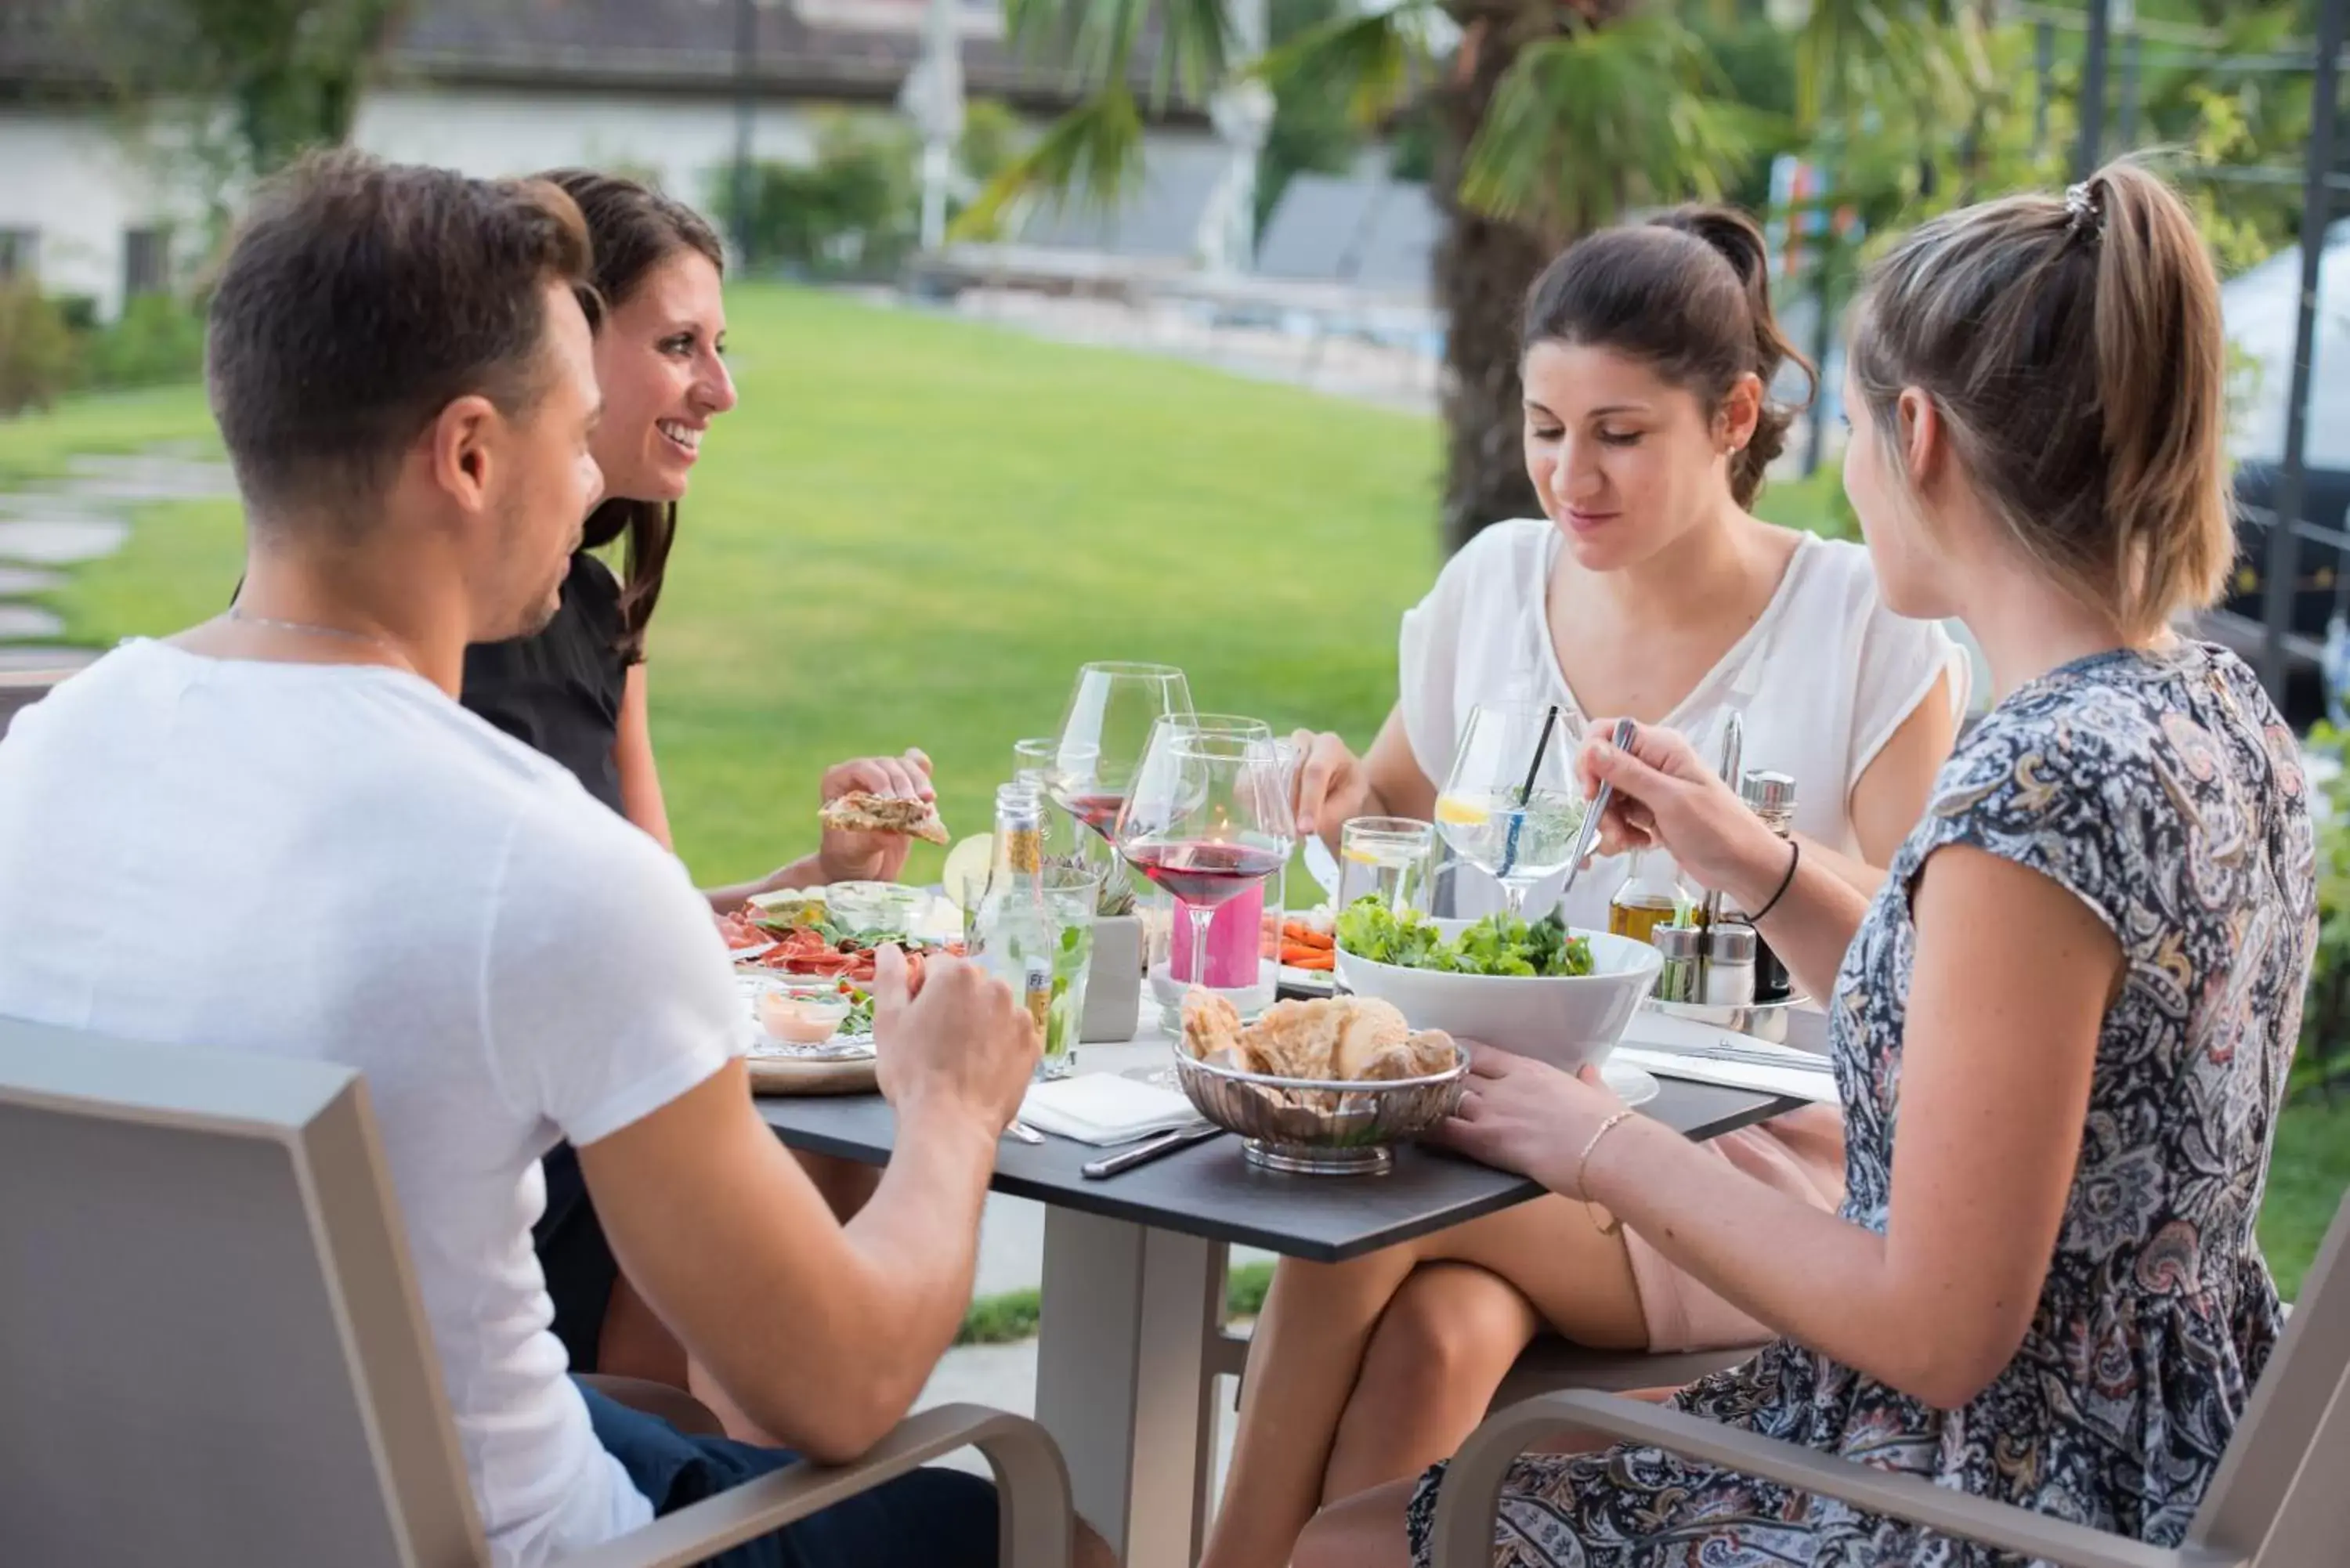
(1209, 1191)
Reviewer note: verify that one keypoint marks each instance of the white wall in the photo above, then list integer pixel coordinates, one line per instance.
(80, 180)
(490, 132)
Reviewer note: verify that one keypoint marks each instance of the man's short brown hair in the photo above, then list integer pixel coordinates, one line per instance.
(361, 299)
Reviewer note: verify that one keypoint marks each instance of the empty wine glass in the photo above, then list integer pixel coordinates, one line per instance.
(1107, 727)
(1207, 817)
(1516, 832)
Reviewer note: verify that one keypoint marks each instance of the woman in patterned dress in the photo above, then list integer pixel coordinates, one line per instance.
(2080, 986)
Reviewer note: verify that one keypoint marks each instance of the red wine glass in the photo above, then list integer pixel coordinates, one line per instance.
(1207, 817)
(1105, 731)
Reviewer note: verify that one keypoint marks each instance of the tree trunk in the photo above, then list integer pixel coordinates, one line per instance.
(1483, 269)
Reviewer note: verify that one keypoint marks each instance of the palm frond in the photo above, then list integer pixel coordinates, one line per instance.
(1585, 126)
(1196, 44)
(1367, 58)
(1094, 41)
(1915, 57)
(1091, 155)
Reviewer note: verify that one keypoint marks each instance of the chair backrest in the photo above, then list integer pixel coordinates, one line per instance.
(212, 1351)
(2278, 1497)
(20, 689)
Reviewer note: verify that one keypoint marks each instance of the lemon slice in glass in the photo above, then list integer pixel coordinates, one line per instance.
(1460, 813)
(965, 873)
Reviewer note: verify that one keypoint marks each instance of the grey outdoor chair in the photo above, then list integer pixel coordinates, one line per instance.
(2279, 1500)
(212, 1354)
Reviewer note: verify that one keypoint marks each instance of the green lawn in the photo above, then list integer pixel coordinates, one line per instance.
(125, 422)
(913, 530)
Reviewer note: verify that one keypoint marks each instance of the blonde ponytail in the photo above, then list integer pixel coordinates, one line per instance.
(2074, 350)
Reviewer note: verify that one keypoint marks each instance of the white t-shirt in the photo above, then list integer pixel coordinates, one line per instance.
(338, 862)
(1823, 678)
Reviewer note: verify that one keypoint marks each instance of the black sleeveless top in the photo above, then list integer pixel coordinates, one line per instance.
(559, 692)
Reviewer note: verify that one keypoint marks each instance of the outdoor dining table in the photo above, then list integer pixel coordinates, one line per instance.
(1132, 1335)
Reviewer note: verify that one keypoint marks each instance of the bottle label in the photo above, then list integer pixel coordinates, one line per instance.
(1038, 994)
(1023, 849)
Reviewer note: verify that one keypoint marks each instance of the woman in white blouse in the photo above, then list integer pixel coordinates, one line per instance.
(1650, 590)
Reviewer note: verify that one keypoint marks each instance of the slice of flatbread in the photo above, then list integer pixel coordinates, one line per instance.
(860, 811)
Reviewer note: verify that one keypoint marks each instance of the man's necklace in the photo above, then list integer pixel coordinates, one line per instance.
(305, 628)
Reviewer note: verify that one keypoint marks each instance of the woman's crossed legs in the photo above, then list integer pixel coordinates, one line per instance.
(1365, 1373)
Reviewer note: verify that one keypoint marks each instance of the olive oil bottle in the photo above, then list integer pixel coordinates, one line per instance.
(1651, 896)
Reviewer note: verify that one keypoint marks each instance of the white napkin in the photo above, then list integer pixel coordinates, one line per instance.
(1102, 1109)
(1820, 1088)
(1662, 1044)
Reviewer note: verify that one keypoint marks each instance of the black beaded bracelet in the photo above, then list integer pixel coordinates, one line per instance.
(1785, 882)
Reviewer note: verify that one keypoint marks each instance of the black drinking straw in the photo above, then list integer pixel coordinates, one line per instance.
(1526, 790)
(1550, 722)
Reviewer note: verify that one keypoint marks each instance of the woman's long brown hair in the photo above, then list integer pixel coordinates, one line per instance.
(634, 229)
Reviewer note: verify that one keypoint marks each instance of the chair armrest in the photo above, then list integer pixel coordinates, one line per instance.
(1031, 1478)
(1471, 1490)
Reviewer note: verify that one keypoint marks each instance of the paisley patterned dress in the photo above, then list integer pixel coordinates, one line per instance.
(2164, 791)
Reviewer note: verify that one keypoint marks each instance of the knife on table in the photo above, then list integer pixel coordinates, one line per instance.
(1149, 1149)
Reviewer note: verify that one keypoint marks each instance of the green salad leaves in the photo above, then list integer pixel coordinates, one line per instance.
(1498, 944)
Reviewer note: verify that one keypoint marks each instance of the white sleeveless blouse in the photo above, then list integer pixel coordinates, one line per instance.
(1824, 678)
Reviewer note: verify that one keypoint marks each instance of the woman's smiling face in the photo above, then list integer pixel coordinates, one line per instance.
(658, 362)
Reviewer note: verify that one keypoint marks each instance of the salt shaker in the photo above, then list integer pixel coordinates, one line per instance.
(1730, 964)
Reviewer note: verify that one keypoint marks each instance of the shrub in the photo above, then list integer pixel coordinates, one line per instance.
(854, 209)
(848, 213)
(157, 339)
(36, 349)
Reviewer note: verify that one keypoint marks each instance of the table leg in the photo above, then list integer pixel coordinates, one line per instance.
(1122, 1379)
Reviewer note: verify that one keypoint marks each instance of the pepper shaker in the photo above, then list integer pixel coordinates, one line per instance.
(1684, 951)
(1771, 797)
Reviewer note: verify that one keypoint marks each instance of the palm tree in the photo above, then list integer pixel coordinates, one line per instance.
(1554, 117)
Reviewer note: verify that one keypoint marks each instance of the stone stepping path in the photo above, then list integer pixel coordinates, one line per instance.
(83, 516)
(17, 582)
(15, 656)
(61, 542)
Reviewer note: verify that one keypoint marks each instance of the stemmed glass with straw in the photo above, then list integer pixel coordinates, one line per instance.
(1495, 811)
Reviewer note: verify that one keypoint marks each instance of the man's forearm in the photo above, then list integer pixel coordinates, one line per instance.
(916, 1242)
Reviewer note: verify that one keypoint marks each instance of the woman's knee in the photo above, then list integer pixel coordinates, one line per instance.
(1450, 1328)
(1366, 1530)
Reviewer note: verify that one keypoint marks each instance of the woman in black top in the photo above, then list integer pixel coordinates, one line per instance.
(575, 692)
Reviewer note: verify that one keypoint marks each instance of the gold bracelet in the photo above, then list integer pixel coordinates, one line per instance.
(1582, 1166)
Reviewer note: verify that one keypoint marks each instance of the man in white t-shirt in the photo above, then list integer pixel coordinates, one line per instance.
(351, 866)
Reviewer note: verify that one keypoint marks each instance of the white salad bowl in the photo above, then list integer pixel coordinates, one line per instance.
(1568, 1021)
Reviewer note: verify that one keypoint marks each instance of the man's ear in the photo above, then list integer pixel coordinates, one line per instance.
(461, 450)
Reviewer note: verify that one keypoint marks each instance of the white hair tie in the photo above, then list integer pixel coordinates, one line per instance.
(2082, 206)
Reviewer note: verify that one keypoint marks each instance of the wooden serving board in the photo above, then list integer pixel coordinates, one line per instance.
(785, 1076)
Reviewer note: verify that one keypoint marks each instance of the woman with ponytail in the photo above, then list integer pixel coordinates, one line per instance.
(2078, 988)
(1648, 589)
